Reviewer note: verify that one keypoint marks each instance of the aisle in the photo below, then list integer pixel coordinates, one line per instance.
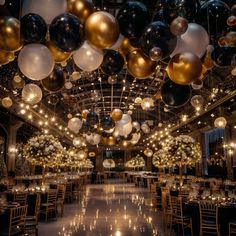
(108, 210)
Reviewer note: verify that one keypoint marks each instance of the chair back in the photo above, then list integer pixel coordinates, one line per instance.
(176, 206)
(52, 196)
(208, 212)
(61, 190)
(17, 219)
(21, 198)
(37, 206)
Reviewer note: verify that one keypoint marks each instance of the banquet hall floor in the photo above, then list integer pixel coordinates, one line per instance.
(112, 209)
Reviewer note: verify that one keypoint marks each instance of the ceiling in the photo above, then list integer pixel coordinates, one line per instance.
(94, 91)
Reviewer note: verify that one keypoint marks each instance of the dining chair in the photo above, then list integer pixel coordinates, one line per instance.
(61, 190)
(50, 207)
(21, 198)
(177, 214)
(17, 221)
(232, 228)
(68, 193)
(31, 222)
(78, 189)
(208, 218)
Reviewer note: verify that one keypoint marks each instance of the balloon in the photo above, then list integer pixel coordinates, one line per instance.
(75, 124)
(107, 123)
(48, 9)
(32, 94)
(79, 142)
(81, 8)
(93, 138)
(110, 141)
(92, 118)
(155, 54)
(6, 57)
(35, 61)
(133, 17)
(145, 128)
(55, 81)
(189, 41)
(65, 32)
(58, 55)
(183, 8)
(84, 114)
(125, 47)
(231, 21)
(116, 114)
(102, 29)
(85, 127)
(10, 39)
(213, 16)
(184, 68)
(126, 119)
(230, 39)
(157, 34)
(148, 152)
(7, 102)
(178, 26)
(33, 28)
(223, 56)
(88, 58)
(175, 95)
(139, 65)
(136, 125)
(124, 130)
(112, 63)
(147, 104)
(18, 82)
(197, 101)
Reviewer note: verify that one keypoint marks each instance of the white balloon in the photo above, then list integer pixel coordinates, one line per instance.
(75, 124)
(48, 9)
(136, 125)
(126, 119)
(93, 138)
(135, 138)
(32, 94)
(124, 130)
(194, 40)
(145, 128)
(36, 61)
(88, 58)
(117, 44)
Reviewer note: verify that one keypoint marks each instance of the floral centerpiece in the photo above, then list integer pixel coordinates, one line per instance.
(135, 162)
(85, 164)
(180, 150)
(44, 150)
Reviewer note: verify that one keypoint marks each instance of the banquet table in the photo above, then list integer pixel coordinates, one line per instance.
(226, 213)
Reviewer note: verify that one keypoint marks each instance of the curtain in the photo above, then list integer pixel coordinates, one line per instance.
(210, 137)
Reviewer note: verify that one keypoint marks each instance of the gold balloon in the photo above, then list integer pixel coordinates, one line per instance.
(184, 68)
(84, 114)
(7, 102)
(230, 39)
(110, 141)
(10, 39)
(125, 47)
(80, 8)
(58, 55)
(116, 114)
(6, 57)
(18, 82)
(139, 65)
(102, 29)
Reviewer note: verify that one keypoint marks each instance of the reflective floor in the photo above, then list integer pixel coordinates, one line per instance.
(115, 209)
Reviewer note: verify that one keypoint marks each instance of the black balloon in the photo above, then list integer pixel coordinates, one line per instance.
(92, 118)
(14, 7)
(33, 28)
(85, 127)
(213, 17)
(175, 95)
(113, 62)
(157, 34)
(107, 123)
(223, 56)
(133, 17)
(55, 81)
(184, 8)
(65, 32)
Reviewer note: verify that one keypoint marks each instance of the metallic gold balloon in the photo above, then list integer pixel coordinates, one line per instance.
(184, 68)
(116, 114)
(80, 8)
(102, 29)
(84, 114)
(139, 65)
(58, 55)
(110, 141)
(5, 57)
(7, 102)
(10, 39)
(125, 47)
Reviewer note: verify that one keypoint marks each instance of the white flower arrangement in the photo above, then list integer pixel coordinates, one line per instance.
(180, 150)
(45, 150)
(135, 162)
